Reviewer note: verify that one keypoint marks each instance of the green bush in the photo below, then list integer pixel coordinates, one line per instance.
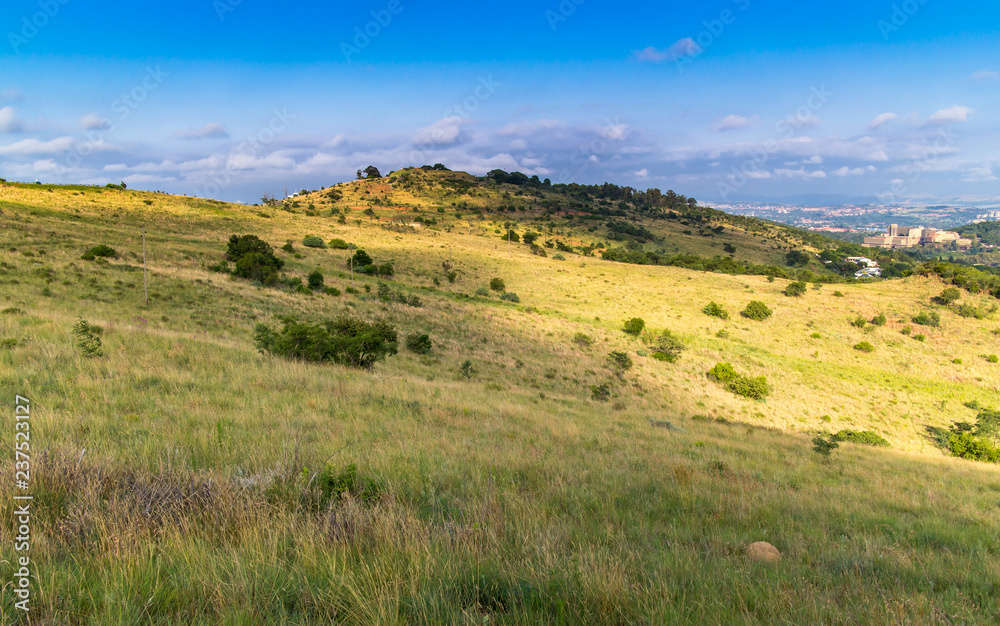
(334, 484)
(863, 437)
(715, 310)
(753, 388)
(248, 244)
(927, 318)
(385, 269)
(482, 291)
(879, 320)
(991, 358)
(968, 310)
(332, 291)
(838, 294)
(420, 344)
(345, 341)
(339, 244)
(498, 285)
(620, 361)
(313, 241)
(257, 267)
(360, 259)
(601, 392)
(859, 322)
(757, 311)
(968, 446)
(667, 347)
(864, 346)
(947, 296)
(823, 446)
(88, 338)
(734, 382)
(723, 373)
(795, 289)
(510, 297)
(920, 337)
(906, 330)
(102, 251)
(315, 280)
(582, 339)
(634, 326)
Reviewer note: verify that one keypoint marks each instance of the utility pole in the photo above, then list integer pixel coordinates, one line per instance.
(508, 242)
(352, 268)
(145, 274)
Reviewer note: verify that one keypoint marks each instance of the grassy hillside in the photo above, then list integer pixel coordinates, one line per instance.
(183, 477)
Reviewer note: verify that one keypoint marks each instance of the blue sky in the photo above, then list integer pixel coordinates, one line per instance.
(721, 99)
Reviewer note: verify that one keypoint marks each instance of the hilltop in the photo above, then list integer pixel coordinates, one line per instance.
(513, 472)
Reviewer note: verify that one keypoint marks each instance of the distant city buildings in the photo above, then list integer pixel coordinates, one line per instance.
(910, 237)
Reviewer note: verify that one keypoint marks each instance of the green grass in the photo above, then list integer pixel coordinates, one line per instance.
(512, 495)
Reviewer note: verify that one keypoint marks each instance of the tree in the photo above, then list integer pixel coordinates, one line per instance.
(797, 257)
(372, 172)
(634, 326)
(497, 284)
(361, 259)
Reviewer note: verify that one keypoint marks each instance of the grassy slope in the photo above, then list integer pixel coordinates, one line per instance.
(513, 494)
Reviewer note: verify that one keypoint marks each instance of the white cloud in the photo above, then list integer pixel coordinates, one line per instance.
(9, 122)
(980, 174)
(800, 173)
(212, 130)
(682, 48)
(614, 132)
(985, 75)
(643, 173)
(33, 146)
(882, 120)
(92, 121)
(733, 122)
(814, 159)
(445, 131)
(526, 129)
(857, 171)
(949, 116)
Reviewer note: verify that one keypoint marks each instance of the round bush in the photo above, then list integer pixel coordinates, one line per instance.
(715, 310)
(757, 311)
(100, 251)
(634, 326)
(420, 344)
(313, 241)
(864, 346)
(315, 280)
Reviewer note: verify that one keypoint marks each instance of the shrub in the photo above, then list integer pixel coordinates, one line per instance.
(722, 372)
(467, 369)
(634, 326)
(257, 267)
(927, 318)
(558, 257)
(879, 320)
(947, 296)
(620, 361)
(334, 484)
(734, 382)
(756, 310)
(288, 247)
(968, 310)
(753, 388)
(240, 247)
(863, 437)
(601, 392)
(583, 340)
(498, 285)
(360, 259)
(859, 322)
(824, 446)
(992, 358)
(966, 445)
(864, 346)
(315, 280)
(906, 330)
(451, 276)
(345, 341)
(838, 294)
(420, 344)
(920, 337)
(510, 297)
(667, 347)
(795, 289)
(102, 251)
(339, 244)
(482, 291)
(88, 338)
(715, 310)
(722, 334)
(385, 269)
(816, 336)
(332, 291)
